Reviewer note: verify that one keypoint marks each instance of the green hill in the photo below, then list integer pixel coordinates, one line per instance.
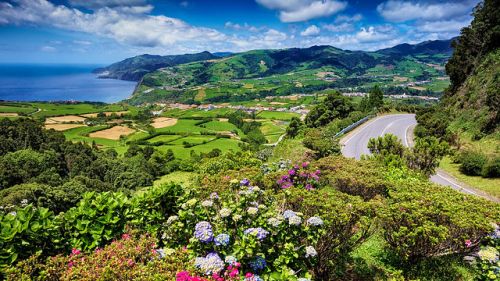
(260, 73)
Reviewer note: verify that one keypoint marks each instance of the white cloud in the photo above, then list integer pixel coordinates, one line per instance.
(134, 29)
(311, 31)
(274, 35)
(48, 49)
(82, 42)
(442, 26)
(96, 4)
(245, 26)
(343, 27)
(400, 11)
(347, 18)
(303, 10)
(371, 34)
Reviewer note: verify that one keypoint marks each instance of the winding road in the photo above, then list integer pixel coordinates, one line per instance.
(355, 144)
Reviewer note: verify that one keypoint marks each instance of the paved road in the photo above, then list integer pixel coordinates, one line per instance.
(355, 144)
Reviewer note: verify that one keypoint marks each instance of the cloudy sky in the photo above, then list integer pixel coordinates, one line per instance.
(104, 31)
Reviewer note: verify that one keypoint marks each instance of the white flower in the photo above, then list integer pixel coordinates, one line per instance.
(316, 221)
(252, 211)
(225, 212)
(274, 222)
(237, 217)
(294, 220)
(171, 219)
(311, 252)
(207, 203)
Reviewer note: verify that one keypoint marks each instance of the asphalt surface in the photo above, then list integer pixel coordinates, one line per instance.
(355, 144)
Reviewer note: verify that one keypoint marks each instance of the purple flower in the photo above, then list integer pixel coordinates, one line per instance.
(309, 186)
(210, 264)
(244, 182)
(291, 172)
(203, 232)
(258, 232)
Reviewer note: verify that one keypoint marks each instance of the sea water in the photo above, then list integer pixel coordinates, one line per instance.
(26, 82)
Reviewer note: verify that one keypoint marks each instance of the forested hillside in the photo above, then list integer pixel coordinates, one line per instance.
(469, 114)
(261, 73)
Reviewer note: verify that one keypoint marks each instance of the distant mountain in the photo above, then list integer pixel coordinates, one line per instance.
(223, 54)
(133, 69)
(257, 73)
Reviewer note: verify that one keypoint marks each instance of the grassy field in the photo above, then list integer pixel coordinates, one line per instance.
(491, 186)
(195, 129)
(275, 115)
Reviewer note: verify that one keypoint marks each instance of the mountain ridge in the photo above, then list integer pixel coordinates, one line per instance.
(134, 68)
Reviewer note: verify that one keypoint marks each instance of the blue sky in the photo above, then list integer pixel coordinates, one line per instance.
(105, 31)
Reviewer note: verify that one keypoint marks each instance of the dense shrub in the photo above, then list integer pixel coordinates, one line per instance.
(245, 226)
(26, 231)
(347, 223)
(321, 142)
(472, 162)
(130, 258)
(424, 220)
(362, 178)
(491, 169)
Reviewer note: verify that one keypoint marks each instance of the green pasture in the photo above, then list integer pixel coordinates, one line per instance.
(276, 115)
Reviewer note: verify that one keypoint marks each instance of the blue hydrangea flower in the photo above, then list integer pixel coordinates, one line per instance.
(222, 240)
(210, 264)
(258, 232)
(258, 264)
(316, 221)
(203, 232)
(288, 214)
(303, 279)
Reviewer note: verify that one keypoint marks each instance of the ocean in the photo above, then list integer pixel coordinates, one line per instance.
(26, 82)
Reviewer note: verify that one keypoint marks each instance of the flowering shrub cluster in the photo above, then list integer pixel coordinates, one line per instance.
(488, 262)
(129, 258)
(244, 236)
(300, 176)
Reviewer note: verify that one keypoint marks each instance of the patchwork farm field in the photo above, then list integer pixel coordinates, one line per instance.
(180, 130)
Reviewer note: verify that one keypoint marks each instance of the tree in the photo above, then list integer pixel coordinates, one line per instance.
(294, 127)
(426, 154)
(386, 145)
(474, 43)
(376, 97)
(334, 106)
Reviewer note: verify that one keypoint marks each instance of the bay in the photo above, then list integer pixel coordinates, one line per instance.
(50, 82)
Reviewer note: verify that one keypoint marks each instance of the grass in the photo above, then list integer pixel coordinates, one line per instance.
(290, 148)
(219, 126)
(16, 108)
(181, 152)
(491, 186)
(186, 179)
(56, 109)
(276, 115)
(164, 138)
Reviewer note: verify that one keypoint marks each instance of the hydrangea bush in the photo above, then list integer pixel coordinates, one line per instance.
(300, 176)
(245, 236)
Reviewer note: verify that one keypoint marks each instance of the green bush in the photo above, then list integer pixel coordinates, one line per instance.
(97, 219)
(491, 168)
(361, 178)
(472, 162)
(27, 231)
(130, 258)
(348, 222)
(423, 220)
